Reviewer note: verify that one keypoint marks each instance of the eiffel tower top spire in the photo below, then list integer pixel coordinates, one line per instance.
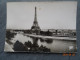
(35, 14)
(35, 18)
(35, 27)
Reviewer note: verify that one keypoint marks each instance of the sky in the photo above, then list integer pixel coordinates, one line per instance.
(50, 15)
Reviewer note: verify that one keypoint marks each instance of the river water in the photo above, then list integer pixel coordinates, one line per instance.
(57, 46)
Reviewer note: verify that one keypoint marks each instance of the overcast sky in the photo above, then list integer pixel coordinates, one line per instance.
(50, 15)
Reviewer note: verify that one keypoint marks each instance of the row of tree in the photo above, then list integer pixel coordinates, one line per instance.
(28, 46)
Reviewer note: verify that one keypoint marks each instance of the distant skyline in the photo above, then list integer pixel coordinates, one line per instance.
(50, 15)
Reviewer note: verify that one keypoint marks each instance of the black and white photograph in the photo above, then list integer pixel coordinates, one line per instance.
(43, 27)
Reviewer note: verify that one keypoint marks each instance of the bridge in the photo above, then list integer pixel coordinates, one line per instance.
(51, 37)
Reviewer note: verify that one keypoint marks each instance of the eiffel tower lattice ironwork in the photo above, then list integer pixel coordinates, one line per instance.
(35, 29)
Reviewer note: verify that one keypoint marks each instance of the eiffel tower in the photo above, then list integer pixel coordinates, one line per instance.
(35, 29)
